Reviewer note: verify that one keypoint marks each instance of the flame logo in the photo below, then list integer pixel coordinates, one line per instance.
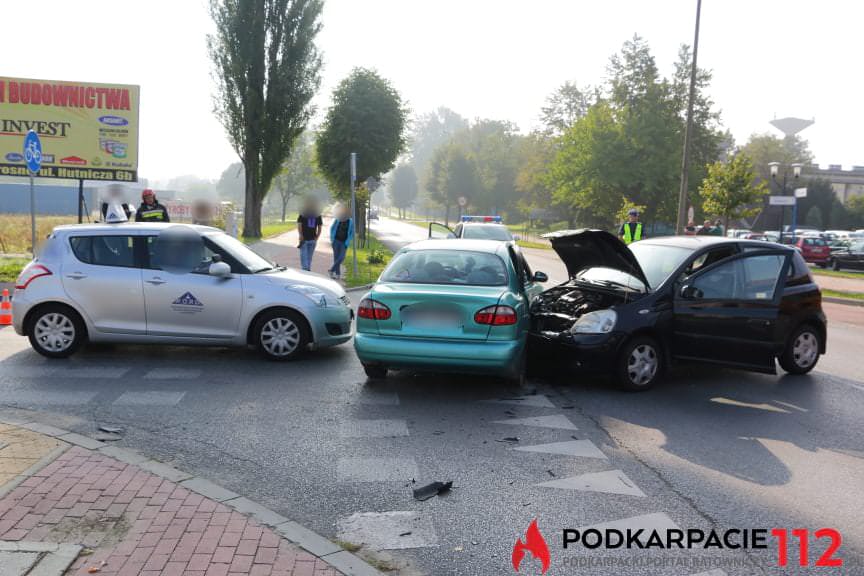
(534, 543)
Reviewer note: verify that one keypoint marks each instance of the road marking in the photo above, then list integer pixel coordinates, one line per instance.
(610, 482)
(172, 374)
(647, 523)
(716, 572)
(557, 421)
(583, 448)
(396, 530)
(374, 429)
(740, 404)
(358, 469)
(66, 397)
(150, 398)
(535, 401)
(47, 372)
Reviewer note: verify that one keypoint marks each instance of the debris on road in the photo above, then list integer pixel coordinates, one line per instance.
(551, 473)
(405, 533)
(434, 489)
(110, 429)
(509, 439)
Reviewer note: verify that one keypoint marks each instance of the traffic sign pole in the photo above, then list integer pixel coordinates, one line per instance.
(354, 208)
(33, 157)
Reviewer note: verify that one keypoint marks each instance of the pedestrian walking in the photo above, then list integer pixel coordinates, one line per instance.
(341, 234)
(309, 224)
(631, 231)
(150, 209)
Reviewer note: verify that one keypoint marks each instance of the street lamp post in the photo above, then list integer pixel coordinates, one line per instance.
(796, 172)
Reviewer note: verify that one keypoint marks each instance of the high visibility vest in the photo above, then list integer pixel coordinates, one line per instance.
(628, 238)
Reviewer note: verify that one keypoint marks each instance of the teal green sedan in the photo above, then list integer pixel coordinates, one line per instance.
(449, 306)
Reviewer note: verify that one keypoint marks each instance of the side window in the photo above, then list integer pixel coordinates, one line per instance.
(518, 265)
(709, 258)
(526, 269)
(749, 278)
(198, 261)
(104, 250)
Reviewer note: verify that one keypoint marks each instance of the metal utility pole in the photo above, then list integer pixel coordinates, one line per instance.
(685, 160)
(354, 208)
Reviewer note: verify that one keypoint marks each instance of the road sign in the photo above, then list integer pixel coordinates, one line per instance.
(33, 152)
(462, 201)
(782, 200)
(800, 192)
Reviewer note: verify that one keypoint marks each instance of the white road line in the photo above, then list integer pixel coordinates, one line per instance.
(172, 374)
(149, 398)
(610, 482)
(359, 469)
(716, 572)
(535, 401)
(396, 530)
(558, 421)
(65, 372)
(41, 397)
(374, 429)
(583, 448)
(648, 523)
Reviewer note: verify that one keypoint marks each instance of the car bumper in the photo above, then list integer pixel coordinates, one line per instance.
(21, 305)
(483, 356)
(333, 326)
(589, 352)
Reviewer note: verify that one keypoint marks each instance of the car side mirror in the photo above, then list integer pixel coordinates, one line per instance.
(540, 277)
(219, 269)
(690, 292)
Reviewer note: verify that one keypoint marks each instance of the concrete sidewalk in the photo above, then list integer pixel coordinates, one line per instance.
(283, 250)
(841, 284)
(92, 508)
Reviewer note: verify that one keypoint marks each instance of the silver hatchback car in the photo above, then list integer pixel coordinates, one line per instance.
(172, 284)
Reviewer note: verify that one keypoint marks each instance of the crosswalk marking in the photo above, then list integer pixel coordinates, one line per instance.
(395, 530)
(383, 428)
(647, 523)
(558, 421)
(535, 401)
(172, 374)
(149, 398)
(609, 482)
(359, 469)
(583, 448)
(53, 398)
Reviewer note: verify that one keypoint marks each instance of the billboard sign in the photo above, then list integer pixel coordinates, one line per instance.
(88, 131)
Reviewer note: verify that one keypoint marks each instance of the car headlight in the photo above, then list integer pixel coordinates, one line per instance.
(597, 322)
(314, 294)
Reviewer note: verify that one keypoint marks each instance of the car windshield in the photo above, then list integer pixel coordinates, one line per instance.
(460, 267)
(658, 261)
(246, 256)
(487, 232)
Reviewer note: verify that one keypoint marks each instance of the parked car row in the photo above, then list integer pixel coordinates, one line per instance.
(451, 305)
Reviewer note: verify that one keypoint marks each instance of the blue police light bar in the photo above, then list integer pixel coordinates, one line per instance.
(496, 219)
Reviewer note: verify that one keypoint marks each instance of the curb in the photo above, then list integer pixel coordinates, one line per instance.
(846, 301)
(340, 559)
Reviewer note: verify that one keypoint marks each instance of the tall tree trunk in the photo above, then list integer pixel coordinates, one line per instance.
(284, 209)
(447, 214)
(252, 209)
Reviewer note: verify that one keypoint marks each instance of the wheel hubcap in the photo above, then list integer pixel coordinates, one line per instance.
(642, 364)
(54, 332)
(280, 337)
(805, 349)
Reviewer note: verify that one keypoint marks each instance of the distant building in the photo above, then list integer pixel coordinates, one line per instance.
(846, 183)
(52, 199)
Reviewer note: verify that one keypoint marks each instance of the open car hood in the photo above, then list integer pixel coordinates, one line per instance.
(586, 248)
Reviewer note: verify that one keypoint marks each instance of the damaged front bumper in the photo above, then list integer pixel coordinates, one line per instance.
(588, 352)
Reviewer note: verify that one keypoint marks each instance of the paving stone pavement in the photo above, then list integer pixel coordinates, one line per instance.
(138, 523)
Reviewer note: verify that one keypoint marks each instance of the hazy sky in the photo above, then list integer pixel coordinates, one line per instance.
(483, 58)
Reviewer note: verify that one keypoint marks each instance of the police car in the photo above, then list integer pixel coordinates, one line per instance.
(474, 228)
(171, 284)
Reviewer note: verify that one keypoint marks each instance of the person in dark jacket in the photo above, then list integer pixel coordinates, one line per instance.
(341, 234)
(150, 210)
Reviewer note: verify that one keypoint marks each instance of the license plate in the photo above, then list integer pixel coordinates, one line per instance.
(430, 319)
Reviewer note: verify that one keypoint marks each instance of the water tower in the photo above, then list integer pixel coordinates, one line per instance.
(791, 126)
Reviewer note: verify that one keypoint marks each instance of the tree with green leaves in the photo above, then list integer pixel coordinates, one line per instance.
(567, 104)
(731, 190)
(766, 148)
(299, 176)
(428, 132)
(452, 174)
(368, 117)
(403, 187)
(267, 69)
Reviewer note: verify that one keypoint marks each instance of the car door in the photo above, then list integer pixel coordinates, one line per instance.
(191, 304)
(439, 231)
(728, 312)
(103, 277)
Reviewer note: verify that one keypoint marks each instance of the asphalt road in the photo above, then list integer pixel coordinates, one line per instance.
(311, 439)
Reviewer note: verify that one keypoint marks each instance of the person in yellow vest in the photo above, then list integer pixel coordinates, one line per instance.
(631, 231)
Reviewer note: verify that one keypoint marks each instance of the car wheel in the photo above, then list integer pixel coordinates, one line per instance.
(640, 364)
(281, 335)
(56, 331)
(835, 265)
(375, 371)
(802, 350)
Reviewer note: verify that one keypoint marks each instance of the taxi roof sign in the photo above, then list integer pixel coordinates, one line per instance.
(495, 219)
(115, 214)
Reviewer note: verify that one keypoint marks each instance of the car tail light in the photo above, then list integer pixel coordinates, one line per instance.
(30, 273)
(496, 316)
(373, 310)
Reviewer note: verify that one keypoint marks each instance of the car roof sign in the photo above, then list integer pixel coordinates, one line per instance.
(115, 214)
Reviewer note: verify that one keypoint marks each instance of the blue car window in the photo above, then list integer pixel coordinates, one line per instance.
(459, 267)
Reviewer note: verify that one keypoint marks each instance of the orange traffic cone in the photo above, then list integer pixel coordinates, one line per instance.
(5, 309)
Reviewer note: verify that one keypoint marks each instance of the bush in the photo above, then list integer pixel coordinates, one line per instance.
(377, 255)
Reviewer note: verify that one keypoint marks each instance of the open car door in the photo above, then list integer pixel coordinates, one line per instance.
(438, 231)
(727, 312)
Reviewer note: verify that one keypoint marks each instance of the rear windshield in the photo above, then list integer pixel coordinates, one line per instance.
(460, 267)
(486, 232)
